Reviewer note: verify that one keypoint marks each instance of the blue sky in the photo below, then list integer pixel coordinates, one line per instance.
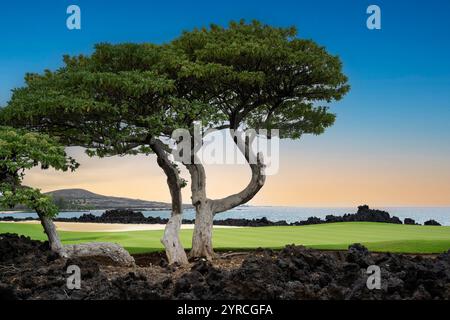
(399, 105)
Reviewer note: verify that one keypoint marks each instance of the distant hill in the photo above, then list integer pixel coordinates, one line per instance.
(71, 199)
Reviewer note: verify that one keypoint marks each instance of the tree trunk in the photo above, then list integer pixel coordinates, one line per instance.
(171, 238)
(202, 236)
(203, 230)
(171, 241)
(206, 208)
(112, 251)
(52, 234)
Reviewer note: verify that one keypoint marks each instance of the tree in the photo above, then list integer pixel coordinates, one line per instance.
(20, 151)
(258, 77)
(128, 99)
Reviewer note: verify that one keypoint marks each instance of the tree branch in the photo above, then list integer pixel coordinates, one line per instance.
(256, 183)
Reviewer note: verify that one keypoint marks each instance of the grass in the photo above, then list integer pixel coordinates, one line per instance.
(381, 237)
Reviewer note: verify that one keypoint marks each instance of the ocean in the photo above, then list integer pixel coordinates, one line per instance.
(290, 214)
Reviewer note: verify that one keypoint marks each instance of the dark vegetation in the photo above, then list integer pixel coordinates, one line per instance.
(29, 270)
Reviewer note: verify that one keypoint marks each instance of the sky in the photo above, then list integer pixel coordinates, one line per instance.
(389, 145)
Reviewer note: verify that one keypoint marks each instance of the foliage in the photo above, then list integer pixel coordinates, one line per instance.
(20, 151)
(264, 77)
(112, 102)
(116, 99)
(31, 198)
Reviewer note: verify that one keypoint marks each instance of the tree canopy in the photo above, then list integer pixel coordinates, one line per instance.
(113, 100)
(265, 77)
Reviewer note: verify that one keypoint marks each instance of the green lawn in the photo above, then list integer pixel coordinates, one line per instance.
(376, 236)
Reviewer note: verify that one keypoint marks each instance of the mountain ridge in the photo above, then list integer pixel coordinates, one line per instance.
(77, 198)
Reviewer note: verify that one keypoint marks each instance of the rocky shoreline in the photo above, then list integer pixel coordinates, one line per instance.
(364, 214)
(29, 270)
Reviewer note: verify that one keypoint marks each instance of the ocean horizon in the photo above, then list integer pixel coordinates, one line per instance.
(278, 213)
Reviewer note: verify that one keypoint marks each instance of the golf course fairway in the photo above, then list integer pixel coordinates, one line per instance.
(381, 237)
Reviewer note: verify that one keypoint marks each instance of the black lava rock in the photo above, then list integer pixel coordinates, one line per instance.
(294, 272)
(409, 221)
(432, 223)
(364, 213)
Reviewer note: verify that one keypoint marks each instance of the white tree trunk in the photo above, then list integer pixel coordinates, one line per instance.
(206, 208)
(112, 251)
(203, 230)
(202, 236)
(52, 234)
(171, 239)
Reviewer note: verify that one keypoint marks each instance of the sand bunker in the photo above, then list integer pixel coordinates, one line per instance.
(109, 227)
